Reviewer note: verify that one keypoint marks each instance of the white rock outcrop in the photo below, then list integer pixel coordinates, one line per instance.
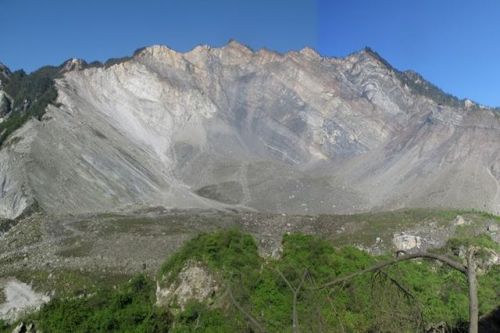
(405, 242)
(194, 283)
(20, 299)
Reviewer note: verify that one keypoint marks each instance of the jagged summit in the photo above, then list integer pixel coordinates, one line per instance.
(410, 78)
(233, 43)
(73, 64)
(233, 128)
(310, 52)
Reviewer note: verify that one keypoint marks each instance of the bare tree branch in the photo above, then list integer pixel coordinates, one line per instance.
(469, 271)
(295, 325)
(252, 320)
(473, 301)
(295, 292)
(330, 301)
(405, 291)
(283, 277)
(450, 262)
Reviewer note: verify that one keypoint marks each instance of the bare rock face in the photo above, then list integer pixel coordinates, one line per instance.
(235, 128)
(20, 299)
(404, 242)
(194, 283)
(73, 64)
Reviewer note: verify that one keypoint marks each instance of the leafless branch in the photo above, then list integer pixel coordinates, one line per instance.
(405, 291)
(250, 318)
(295, 292)
(450, 262)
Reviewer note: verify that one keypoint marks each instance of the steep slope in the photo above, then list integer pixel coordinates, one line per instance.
(232, 127)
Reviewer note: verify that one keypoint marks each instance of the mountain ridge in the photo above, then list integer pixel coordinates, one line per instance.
(408, 73)
(233, 128)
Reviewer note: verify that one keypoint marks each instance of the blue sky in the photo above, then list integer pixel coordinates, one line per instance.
(453, 43)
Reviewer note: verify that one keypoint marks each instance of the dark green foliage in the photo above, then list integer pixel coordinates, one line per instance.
(404, 297)
(419, 85)
(198, 317)
(114, 61)
(423, 87)
(482, 241)
(129, 309)
(359, 305)
(4, 327)
(489, 291)
(31, 93)
(232, 253)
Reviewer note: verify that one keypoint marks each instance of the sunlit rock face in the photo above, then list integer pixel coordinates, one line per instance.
(235, 128)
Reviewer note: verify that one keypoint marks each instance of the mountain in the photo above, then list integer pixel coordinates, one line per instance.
(233, 128)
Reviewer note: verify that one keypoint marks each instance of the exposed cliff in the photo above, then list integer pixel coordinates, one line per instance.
(235, 128)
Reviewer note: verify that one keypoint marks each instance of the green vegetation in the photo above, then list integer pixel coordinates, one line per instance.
(402, 298)
(232, 253)
(128, 309)
(3, 326)
(419, 85)
(31, 93)
(369, 226)
(423, 87)
(71, 283)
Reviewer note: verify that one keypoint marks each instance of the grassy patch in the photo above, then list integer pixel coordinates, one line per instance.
(70, 283)
(128, 309)
(425, 292)
(231, 252)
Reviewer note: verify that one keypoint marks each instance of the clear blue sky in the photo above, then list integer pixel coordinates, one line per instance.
(453, 43)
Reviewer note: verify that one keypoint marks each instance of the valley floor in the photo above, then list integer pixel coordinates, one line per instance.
(64, 256)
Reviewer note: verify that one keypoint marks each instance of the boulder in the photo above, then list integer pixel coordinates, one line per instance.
(493, 227)
(406, 242)
(459, 220)
(194, 282)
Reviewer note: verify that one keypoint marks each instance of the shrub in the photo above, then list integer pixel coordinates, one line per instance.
(402, 298)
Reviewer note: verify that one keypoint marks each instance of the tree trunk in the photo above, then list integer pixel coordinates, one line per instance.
(473, 301)
(470, 271)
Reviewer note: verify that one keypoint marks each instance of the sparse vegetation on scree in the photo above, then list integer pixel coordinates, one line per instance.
(407, 297)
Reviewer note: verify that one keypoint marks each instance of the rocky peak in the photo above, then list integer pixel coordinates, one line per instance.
(310, 53)
(157, 51)
(177, 118)
(73, 64)
(235, 45)
(369, 52)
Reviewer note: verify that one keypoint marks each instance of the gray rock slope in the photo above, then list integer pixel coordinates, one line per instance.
(234, 128)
